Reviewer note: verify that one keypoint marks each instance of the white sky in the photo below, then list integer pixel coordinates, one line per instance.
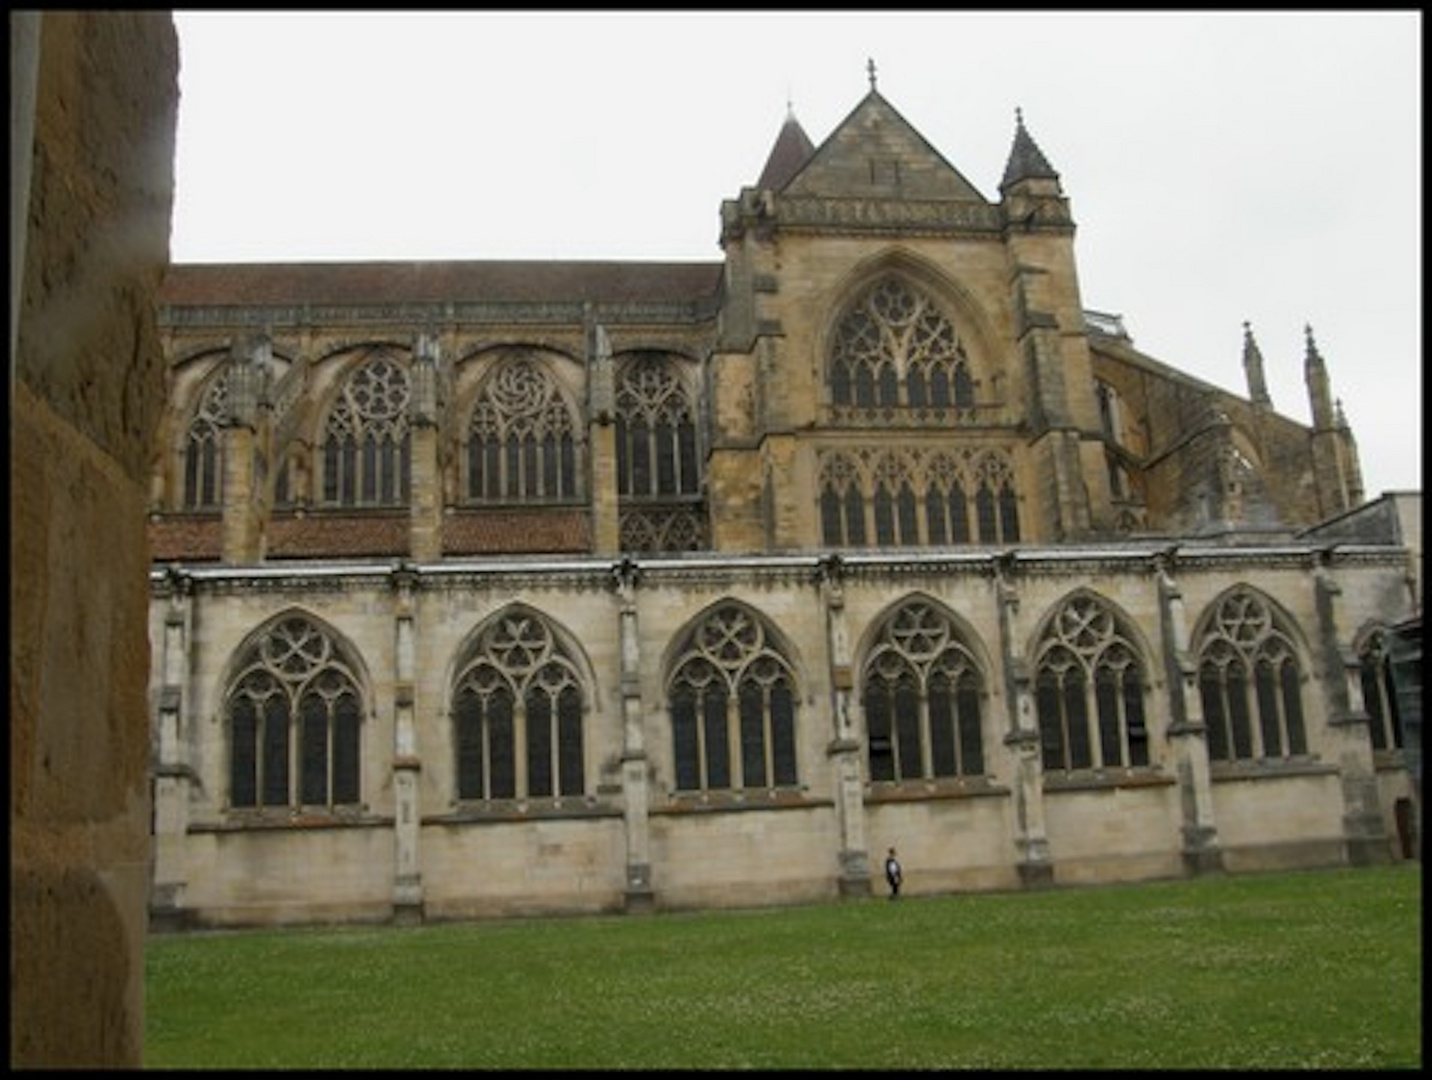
(1220, 166)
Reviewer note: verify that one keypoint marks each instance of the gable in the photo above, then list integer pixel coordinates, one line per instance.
(875, 153)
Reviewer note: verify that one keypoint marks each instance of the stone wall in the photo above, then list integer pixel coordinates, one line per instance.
(87, 382)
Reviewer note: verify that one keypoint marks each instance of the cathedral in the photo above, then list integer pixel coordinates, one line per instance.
(495, 588)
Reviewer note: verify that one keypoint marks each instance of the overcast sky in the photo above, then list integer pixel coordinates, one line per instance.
(1220, 166)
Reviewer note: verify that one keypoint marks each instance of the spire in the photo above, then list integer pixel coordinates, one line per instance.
(792, 150)
(870, 73)
(1315, 374)
(1026, 160)
(1253, 368)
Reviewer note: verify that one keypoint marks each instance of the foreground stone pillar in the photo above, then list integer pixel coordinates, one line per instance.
(87, 391)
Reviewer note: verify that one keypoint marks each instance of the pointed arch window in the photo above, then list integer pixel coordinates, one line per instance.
(921, 690)
(969, 497)
(294, 714)
(518, 708)
(522, 443)
(657, 455)
(1089, 690)
(1379, 693)
(1249, 682)
(842, 502)
(894, 504)
(367, 447)
(732, 699)
(894, 347)
(203, 448)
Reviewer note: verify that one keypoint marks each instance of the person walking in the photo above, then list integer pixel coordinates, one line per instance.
(893, 874)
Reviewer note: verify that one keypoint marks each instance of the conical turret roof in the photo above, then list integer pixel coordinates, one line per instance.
(1026, 160)
(792, 150)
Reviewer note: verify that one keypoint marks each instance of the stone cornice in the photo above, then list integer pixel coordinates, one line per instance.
(479, 313)
(768, 570)
(859, 215)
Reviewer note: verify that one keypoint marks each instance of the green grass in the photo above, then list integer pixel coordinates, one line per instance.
(1313, 969)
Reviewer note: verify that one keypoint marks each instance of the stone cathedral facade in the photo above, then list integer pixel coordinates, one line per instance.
(497, 588)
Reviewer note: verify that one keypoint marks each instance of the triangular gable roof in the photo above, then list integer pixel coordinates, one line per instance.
(866, 153)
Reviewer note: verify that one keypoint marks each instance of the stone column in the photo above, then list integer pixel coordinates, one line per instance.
(173, 774)
(845, 745)
(243, 502)
(407, 762)
(425, 484)
(602, 443)
(1035, 865)
(1348, 741)
(640, 894)
(1187, 733)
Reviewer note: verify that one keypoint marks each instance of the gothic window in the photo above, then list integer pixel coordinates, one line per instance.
(367, 446)
(894, 347)
(1379, 694)
(517, 713)
(996, 507)
(656, 431)
(1249, 681)
(969, 498)
(203, 449)
(522, 442)
(732, 699)
(894, 504)
(294, 714)
(842, 505)
(921, 691)
(1089, 690)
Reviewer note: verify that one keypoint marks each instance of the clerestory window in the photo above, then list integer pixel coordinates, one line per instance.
(659, 471)
(367, 446)
(523, 438)
(203, 449)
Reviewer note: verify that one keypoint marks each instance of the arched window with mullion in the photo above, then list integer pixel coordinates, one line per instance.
(1379, 693)
(367, 443)
(294, 715)
(893, 347)
(732, 701)
(1250, 681)
(518, 710)
(203, 449)
(1090, 686)
(657, 445)
(522, 437)
(921, 692)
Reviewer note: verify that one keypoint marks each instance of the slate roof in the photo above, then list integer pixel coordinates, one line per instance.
(792, 150)
(198, 284)
(1026, 160)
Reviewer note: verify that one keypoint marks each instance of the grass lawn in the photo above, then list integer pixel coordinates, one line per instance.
(1311, 969)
